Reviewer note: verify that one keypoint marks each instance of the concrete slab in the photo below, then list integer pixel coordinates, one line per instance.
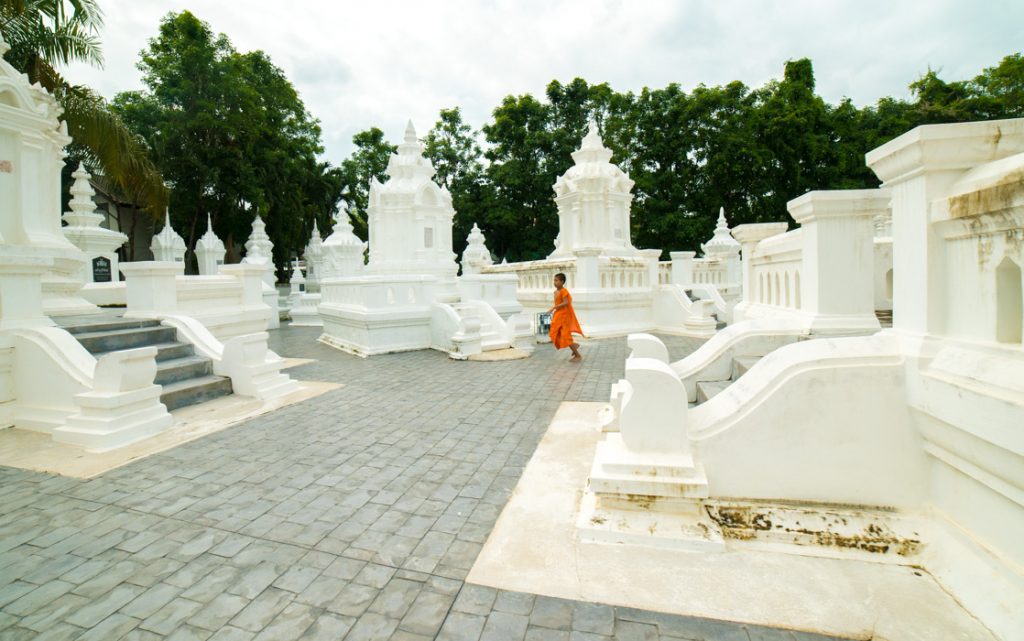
(535, 548)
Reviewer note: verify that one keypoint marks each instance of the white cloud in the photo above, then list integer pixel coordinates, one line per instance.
(363, 64)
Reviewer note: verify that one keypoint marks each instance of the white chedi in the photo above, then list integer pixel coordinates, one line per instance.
(342, 250)
(593, 198)
(210, 251)
(314, 256)
(722, 243)
(410, 218)
(476, 255)
(259, 250)
(84, 231)
(168, 245)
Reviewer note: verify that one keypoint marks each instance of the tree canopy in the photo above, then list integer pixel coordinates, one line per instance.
(749, 150)
(232, 137)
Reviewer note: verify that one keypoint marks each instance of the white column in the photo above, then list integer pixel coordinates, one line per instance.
(21, 292)
(682, 268)
(587, 273)
(837, 267)
(152, 287)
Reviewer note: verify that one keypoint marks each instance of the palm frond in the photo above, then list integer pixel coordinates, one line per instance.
(121, 155)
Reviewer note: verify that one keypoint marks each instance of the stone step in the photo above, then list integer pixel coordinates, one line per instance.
(706, 390)
(105, 325)
(109, 341)
(164, 351)
(194, 390)
(180, 369)
(741, 364)
(169, 351)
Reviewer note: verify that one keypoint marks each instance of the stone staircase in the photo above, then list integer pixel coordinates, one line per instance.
(884, 317)
(186, 379)
(490, 337)
(706, 390)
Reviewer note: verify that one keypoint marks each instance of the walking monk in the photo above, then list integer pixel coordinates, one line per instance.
(563, 320)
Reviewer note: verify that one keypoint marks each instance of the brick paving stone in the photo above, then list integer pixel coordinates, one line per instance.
(633, 631)
(167, 618)
(291, 623)
(427, 613)
(395, 599)
(475, 599)
(535, 633)
(591, 617)
(329, 627)
(262, 610)
(296, 578)
(353, 600)
(514, 602)
(99, 609)
(460, 626)
(218, 612)
(502, 626)
(372, 627)
(552, 613)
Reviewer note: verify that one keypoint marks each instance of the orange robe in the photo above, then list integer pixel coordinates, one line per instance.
(563, 321)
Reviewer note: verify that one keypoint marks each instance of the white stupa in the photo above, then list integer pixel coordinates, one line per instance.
(410, 200)
(476, 255)
(168, 245)
(593, 198)
(342, 250)
(210, 251)
(83, 230)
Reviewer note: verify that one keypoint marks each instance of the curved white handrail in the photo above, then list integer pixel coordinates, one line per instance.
(767, 376)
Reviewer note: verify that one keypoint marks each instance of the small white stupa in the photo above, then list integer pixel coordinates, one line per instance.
(84, 231)
(168, 245)
(210, 251)
(259, 250)
(725, 248)
(342, 250)
(314, 256)
(476, 256)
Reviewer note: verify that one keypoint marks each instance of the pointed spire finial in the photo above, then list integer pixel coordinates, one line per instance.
(209, 222)
(722, 222)
(167, 217)
(410, 133)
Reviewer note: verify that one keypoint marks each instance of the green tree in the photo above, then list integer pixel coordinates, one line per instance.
(452, 147)
(46, 34)
(368, 161)
(232, 136)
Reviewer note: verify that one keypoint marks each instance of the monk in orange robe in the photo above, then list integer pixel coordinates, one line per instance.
(563, 320)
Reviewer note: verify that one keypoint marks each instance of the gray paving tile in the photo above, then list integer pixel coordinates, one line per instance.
(329, 627)
(502, 626)
(592, 617)
(427, 613)
(218, 612)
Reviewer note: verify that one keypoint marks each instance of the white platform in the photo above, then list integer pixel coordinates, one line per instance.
(841, 597)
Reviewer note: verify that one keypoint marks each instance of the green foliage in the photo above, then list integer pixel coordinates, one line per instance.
(232, 137)
(749, 150)
(369, 161)
(452, 147)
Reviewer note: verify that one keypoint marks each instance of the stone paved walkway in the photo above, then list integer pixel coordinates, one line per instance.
(355, 516)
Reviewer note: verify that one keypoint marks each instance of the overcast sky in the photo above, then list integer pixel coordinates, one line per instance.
(379, 63)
